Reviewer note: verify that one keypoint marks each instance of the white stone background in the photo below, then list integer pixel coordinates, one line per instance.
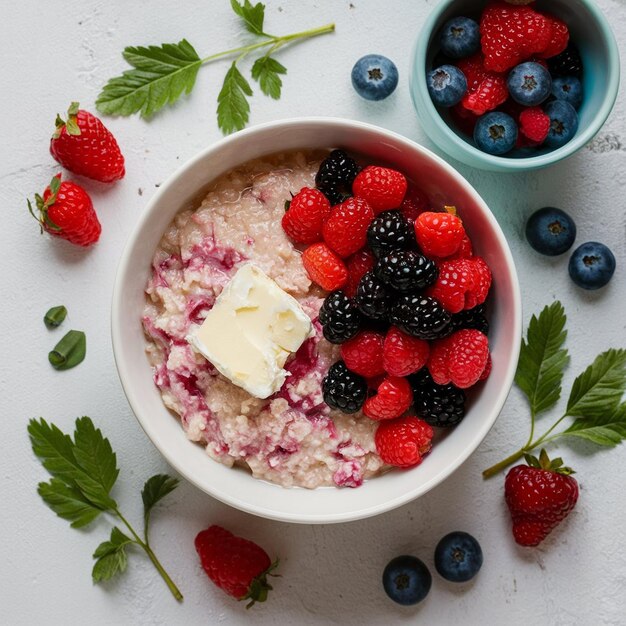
(55, 51)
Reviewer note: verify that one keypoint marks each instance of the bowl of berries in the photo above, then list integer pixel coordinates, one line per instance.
(316, 320)
(510, 85)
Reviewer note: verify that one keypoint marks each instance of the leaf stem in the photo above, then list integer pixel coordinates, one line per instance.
(498, 467)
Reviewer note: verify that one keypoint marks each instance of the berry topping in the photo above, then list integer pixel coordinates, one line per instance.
(563, 123)
(345, 229)
(495, 133)
(458, 557)
(569, 89)
(358, 264)
(482, 283)
(363, 354)
(403, 354)
(403, 442)
(559, 37)
(459, 37)
(415, 202)
(419, 316)
(591, 265)
(393, 397)
(324, 267)
(374, 77)
(439, 234)
(382, 187)
(459, 359)
(550, 231)
(389, 231)
(406, 580)
(339, 317)
(372, 297)
(442, 406)
(529, 83)
(534, 125)
(485, 90)
(446, 85)
(344, 390)
(470, 318)
(305, 215)
(405, 270)
(456, 279)
(568, 63)
(336, 175)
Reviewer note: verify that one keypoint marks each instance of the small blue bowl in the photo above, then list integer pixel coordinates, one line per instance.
(591, 33)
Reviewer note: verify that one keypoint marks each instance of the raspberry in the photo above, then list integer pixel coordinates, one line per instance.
(363, 354)
(306, 213)
(511, 34)
(403, 354)
(415, 202)
(559, 37)
(485, 90)
(403, 442)
(534, 124)
(487, 370)
(465, 251)
(456, 279)
(358, 264)
(474, 69)
(459, 359)
(382, 187)
(392, 399)
(345, 229)
(482, 283)
(343, 390)
(324, 267)
(439, 234)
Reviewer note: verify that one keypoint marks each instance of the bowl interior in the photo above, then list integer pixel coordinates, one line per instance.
(237, 487)
(590, 32)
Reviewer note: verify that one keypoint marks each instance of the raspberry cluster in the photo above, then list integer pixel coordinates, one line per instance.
(406, 301)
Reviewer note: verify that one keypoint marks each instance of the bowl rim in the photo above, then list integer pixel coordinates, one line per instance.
(125, 373)
(417, 74)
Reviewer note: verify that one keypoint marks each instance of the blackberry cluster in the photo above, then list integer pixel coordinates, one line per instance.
(336, 175)
(344, 390)
(405, 270)
(470, 318)
(372, 297)
(439, 405)
(340, 318)
(567, 63)
(419, 316)
(389, 231)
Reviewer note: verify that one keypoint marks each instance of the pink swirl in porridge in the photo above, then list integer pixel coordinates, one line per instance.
(291, 438)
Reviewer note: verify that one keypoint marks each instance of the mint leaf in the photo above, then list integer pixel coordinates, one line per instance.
(161, 75)
(232, 107)
(599, 389)
(605, 430)
(252, 16)
(68, 502)
(266, 72)
(111, 556)
(155, 489)
(542, 358)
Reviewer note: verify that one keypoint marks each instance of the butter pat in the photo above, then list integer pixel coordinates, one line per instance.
(251, 330)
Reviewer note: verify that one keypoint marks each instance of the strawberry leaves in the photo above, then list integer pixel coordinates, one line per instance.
(252, 16)
(266, 71)
(233, 109)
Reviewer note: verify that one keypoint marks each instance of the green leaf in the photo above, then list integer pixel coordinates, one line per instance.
(161, 75)
(543, 359)
(607, 430)
(266, 71)
(232, 107)
(55, 316)
(70, 351)
(68, 502)
(252, 16)
(111, 556)
(598, 390)
(155, 489)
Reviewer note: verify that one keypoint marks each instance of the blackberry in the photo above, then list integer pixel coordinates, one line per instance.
(406, 270)
(389, 231)
(419, 316)
(339, 317)
(567, 63)
(470, 318)
(344, 390)
(438, 405)
(372, 297)
(336, 175)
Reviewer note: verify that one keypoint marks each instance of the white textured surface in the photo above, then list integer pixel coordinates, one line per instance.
(56, 51)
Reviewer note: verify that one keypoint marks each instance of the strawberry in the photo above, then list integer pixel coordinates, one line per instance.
(85, 146)
(324, 267)
(439, 234)
(345, 229)
(393, 398)
(534, 125)
(66, 211)
(403, 354)
(358, 265)
(559, 37)
(236, 565)
(363, 354)
(485, 89)
(382, 187)
(540, 496)
(305, 215)
(403, 442)
(459, 359)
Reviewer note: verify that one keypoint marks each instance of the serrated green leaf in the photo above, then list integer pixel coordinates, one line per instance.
(607, 430)
(68, 502)
(155, 489)
(111, 556)
(232, 107)
(542, 358)
(598, 390)
(266, 71)
(252, 16)
(160, 76)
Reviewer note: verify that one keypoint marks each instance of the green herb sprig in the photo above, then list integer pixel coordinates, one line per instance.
(83, 472)
(595, 400)
(163, 73)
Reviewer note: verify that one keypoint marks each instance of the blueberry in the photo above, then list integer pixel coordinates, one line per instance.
(459, 37)
(529, 83)
(495, 133)
(458, 557)
(406, 580)
(374, 77)
(568, 89)
(550, 231)
(591, 265)
(563, 123)
(446, 85)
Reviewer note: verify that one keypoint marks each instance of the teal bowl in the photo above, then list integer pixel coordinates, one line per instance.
(589, 30)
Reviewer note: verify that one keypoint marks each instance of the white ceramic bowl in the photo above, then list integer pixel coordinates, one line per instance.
(237, 487)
